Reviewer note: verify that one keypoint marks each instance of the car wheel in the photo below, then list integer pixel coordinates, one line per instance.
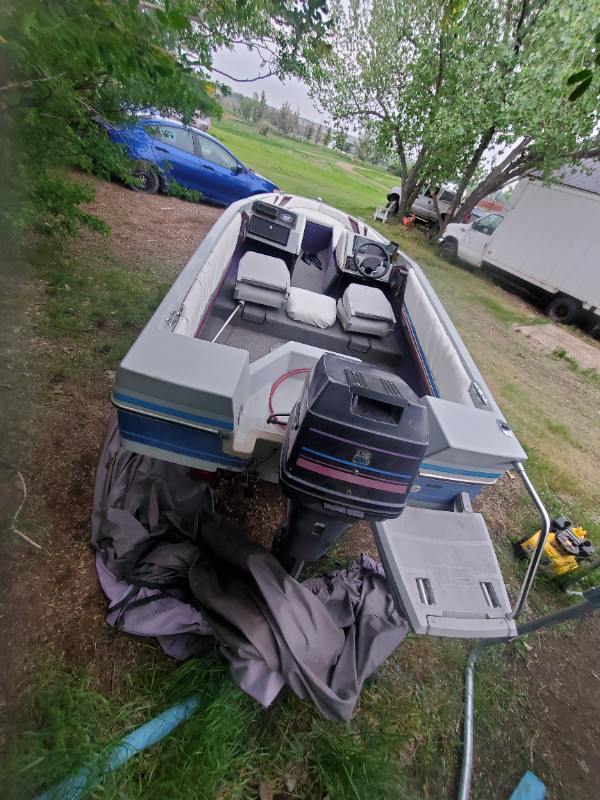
(393, 206)
(562, 309)
(447, 251)
(147, 182)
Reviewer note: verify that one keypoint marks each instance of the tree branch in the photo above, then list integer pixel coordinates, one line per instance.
(470, 171)
(381, 104)
(364, 113)
(243, 80)
(27, 84)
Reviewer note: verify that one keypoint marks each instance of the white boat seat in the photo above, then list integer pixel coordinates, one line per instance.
(311, 308)
(365, 309)
(262, 279)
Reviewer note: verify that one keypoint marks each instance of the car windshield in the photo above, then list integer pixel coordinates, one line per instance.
(488, 224)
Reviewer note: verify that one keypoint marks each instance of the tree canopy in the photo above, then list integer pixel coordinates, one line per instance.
(464, 92)
(67, 62)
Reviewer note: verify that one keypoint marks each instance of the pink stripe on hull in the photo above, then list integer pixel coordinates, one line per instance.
(349, 477)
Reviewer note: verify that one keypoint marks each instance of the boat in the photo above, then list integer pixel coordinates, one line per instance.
(300, 344)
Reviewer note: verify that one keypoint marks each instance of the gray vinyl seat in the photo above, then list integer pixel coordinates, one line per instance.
(365, 309)
(262, 279)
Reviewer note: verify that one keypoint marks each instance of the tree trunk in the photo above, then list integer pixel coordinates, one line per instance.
(470, 171)
(411, 186)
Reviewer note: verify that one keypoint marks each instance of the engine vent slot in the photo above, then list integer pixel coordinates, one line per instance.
(491, 598)
(425, 591)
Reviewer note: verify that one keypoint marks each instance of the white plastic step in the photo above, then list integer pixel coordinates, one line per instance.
(443, 571)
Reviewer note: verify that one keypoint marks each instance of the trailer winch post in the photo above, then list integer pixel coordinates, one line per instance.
(541, 543)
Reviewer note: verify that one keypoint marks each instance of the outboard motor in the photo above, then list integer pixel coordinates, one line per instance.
(353, 446)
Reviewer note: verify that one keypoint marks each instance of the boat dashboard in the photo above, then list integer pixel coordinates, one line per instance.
(310, 232)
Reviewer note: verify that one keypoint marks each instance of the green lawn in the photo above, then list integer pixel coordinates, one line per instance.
(304, 168)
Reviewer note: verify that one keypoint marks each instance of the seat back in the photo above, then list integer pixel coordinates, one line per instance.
(365, 309)
(208, 280)
(262, 279)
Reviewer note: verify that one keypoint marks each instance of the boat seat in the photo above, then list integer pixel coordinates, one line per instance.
(311, 308)
(365, 309)
(262, 279)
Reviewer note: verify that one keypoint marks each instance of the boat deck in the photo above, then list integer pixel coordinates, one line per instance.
(260, 330)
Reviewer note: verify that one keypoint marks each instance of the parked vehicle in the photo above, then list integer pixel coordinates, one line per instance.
(468, 241)
(473, 215)
(548, 241)
(423, 207)
(164, 149)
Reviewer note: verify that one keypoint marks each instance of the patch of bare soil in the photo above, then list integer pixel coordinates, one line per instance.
(352, 168)
(560, 725)
(550, 338)
(52, 604)
(150, 228)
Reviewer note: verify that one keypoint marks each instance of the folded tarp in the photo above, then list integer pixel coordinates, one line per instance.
(173, 568)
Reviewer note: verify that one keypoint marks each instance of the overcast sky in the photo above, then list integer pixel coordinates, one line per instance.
(241, 63)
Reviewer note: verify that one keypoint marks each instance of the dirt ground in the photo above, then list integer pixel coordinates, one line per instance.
(51, 601)
(550, 338)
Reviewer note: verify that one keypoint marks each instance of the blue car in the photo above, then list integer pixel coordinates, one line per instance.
(164, 149)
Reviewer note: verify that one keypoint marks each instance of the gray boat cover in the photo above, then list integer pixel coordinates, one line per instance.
(173, 568)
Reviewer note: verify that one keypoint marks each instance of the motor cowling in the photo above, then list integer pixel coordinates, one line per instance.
(354, 443)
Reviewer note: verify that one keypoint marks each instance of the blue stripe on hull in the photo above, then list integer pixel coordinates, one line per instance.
(173, 412)
(435, 492)
(460, 471)
(176, 439)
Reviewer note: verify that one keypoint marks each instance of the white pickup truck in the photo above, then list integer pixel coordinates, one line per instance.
(423, 207)
(549, 241)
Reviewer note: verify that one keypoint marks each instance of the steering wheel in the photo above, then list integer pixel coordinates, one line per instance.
(369, 264)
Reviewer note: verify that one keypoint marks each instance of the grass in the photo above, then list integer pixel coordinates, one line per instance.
(501, 312)
(227, 749)
(304, 168)
(588, 374)
(94, 308)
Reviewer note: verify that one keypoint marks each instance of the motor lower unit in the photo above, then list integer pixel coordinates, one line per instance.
(354, 443)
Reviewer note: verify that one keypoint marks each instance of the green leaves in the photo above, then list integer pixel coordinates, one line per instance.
(584, 77)
(446, 85)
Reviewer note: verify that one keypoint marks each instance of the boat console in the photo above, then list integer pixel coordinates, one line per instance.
(306, 235)
(276, 227)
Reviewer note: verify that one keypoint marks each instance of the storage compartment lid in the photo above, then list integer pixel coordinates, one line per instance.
(443, 571)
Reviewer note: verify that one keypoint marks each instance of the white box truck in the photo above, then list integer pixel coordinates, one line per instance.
(548, 239)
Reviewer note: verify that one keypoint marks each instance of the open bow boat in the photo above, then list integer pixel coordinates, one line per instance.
(301, 344)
